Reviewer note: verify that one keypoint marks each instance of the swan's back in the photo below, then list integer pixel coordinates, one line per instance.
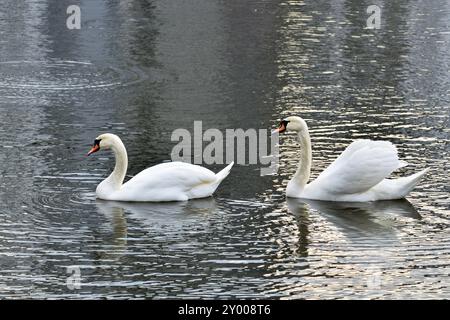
(171, 181)
(362, 165)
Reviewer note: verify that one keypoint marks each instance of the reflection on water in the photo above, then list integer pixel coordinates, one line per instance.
(174, 216)
(143, 68)
(171, 214)
(358, 219)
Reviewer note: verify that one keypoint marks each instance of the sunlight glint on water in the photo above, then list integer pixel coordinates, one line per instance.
(142, 70)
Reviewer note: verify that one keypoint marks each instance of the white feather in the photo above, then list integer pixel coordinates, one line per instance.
(359, 174)
(172, 181)
(361, 166)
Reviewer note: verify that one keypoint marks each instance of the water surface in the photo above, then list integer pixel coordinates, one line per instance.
(141, 69)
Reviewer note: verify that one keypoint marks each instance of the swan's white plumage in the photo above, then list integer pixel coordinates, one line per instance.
(362, 165)
(171, 181)
(359, 174)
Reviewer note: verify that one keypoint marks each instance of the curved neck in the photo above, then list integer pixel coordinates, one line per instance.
(301, 176)
(118, 175)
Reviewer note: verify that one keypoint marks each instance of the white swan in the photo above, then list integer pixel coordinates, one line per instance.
(358, 174)
(172, 181)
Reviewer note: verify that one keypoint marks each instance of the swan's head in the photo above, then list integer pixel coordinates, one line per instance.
(104, 141)
(292, 123)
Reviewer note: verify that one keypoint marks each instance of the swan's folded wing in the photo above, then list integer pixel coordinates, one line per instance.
(361, 166)
(171, 175)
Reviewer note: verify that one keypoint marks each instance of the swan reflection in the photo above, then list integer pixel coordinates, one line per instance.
(356, 219)
(164, 217)
(119, 229)
(159, 213)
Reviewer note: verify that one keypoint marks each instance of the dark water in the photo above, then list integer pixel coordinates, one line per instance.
(141, 69)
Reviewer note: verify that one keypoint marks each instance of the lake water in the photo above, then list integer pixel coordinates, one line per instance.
(143, 68)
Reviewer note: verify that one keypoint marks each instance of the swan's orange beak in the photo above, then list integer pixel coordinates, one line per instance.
(95, 148)
(281, 128)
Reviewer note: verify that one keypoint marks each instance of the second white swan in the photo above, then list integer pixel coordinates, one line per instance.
(358, 174)
(172, 181)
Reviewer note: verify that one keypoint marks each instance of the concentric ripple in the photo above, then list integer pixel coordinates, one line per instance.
(64, 75)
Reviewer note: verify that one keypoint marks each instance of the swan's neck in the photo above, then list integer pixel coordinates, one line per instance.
(301, 176)
(118, 175)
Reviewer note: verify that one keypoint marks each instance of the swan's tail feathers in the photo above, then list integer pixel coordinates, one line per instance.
(206, 189)
(408, 183)
(222, 174)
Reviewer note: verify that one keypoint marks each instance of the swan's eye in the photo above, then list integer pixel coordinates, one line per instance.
(97, 142)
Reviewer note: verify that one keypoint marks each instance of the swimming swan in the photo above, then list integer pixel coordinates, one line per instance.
(172, 181)
(358, 174)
